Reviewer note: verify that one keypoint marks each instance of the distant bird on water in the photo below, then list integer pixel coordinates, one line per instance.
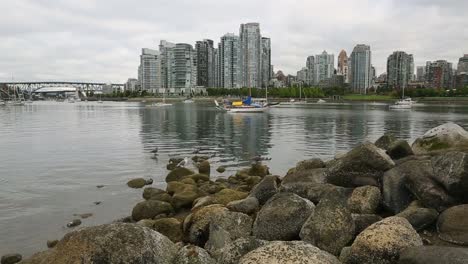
(183, 163)
(155, 150)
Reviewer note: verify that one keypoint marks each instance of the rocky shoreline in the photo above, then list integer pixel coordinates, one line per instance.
(380, 203)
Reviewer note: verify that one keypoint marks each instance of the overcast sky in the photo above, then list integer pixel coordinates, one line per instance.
(100, 40)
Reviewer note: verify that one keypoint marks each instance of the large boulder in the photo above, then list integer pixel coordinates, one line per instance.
(10, 258)
(396, 197)
(288, 252)
(150, 209)
(258, 169)
(330, 227)
(451, 171)
(434, 255)
(178, 174)
(197, 225)
(150, 192)
(382, 242)
(300, 177)
(170, 227)
(452, 225)
(364, 165)
(309, 164)
(248, 205)
(445, 137)
(232, 253)
(399, 149)
(218, 240)
(282, 217)
(364, 200)
(191, 254)
(363, 221)
(422, 185)
(224, 197)
(385, 141)
(107, 244)
(419, 216)
(265, 189)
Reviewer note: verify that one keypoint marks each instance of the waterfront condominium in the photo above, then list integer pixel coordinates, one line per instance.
(205, 63)
(420, 73)
(463, 64)
(400, 69)
(310, 65)
(148, 76)
(266, 61)
(228, 62)
(166, 50)
(439, 74)
(184, 69)
(360, 76)
(324, 67)
(343, 65)
(250, 55)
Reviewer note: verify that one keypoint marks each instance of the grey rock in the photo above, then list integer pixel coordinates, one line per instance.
(288, 252)
(178, 174)
(191, 254)
(418, 216)
(11, 259)
(434, 255)
(233, 252)
(51, 243)
(112, 243)
(309, 164)
(330, 227)
(448, 136)
(421, 184)
(399, 149)
(364, 200)
(382, 242)
(74, 222)
(150, 209)
(384, 141)
(218, 240)
(344, 255)
(452, 225)
(248, 205)
(300, 177)
(204, 167)
(265, 189)
(396, 197)
(313, 191)
(149, 192)
(364, 165)
(362, 221)
(136, 183)
(282, 217)
(451, 171)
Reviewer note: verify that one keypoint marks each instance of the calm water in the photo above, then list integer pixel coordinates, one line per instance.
(52, 155)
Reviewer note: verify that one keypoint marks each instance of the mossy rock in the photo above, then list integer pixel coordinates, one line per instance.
(170, 227)
(226, 196)
(252, 180)
(178, 174)
(150, 209)
(189, 181)
(136, 183)
(148, 192)
(204, 167)
(164, 197)
(199, 177)
(221, 169)
(258, 169)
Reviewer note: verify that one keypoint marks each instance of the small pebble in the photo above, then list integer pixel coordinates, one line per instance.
(97, 203)
(149, 181)
(99, 186)
(74, 222)
(84, 216)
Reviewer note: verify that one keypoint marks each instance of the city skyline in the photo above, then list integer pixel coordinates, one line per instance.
(88, 41)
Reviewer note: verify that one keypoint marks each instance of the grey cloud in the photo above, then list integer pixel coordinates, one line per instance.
(101, 40)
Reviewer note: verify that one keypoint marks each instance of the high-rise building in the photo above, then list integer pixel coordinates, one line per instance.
(131, 84)
(184, 69)
(343, 65)
(463, 64)
(148, 76)
(166, 50)
(399, 69)
(250, 55)
(205, 67)
(228, 57)
(302, 75)
(420, 73)
(439, 74)
(360, 77)
(310, 65)
(324, 66)
(266, 61)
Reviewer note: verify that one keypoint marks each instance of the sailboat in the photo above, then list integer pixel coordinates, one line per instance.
(403, 103)
(163, 103)
(248, 105)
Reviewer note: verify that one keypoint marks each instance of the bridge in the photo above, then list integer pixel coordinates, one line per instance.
(31, 87)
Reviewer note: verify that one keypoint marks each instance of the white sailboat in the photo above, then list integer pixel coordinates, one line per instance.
(163, 103)
(403, 103)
